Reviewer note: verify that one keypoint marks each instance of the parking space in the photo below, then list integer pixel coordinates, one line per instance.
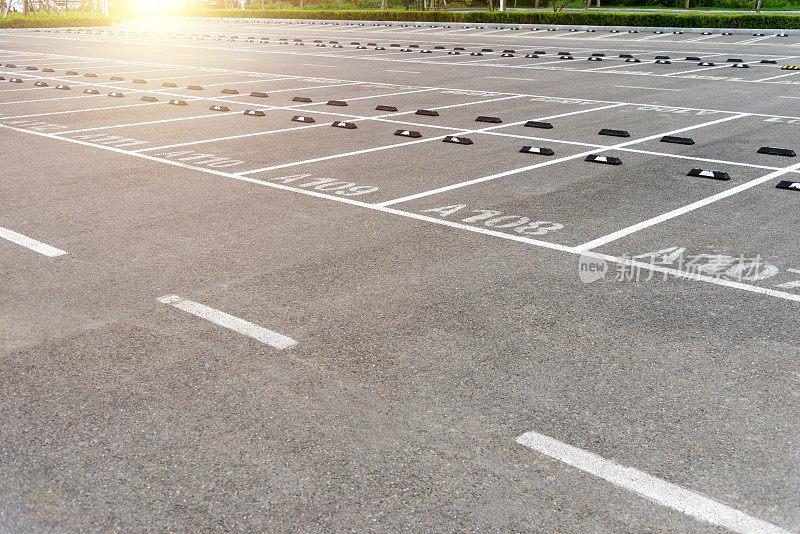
(738, 140)
(584, 200)
(754, 227)
(436, 163)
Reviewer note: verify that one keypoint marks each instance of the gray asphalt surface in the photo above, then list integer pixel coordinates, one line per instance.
(433, 289)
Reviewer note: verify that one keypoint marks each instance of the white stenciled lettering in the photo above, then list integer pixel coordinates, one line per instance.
(497, 219)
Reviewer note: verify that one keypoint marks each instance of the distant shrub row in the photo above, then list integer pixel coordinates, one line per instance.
(48, 20)
(678, 20)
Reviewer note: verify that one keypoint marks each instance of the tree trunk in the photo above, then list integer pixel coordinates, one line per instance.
(758, 6)
(687, 5)
(384, 5)
(598, 3)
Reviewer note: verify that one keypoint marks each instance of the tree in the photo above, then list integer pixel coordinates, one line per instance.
(558, 5)
(756, 5)
(384, 5)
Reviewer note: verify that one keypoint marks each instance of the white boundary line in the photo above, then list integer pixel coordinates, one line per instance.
(226, 320)
(672, 496)
(30, 243)
(647, 88)
(82, 110)
(779, 76)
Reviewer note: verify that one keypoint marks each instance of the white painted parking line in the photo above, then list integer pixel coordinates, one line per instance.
(614, 67)
(685, 209)
(510, 78)
(651, 37)
(778, 76)
(655, 489)
(456, 31)
(30, 243)
(607, 36)
(139, 71)
(226, 320)
(752, 41)
(647, 88)
(83, 110)
(703, 38)
(50, 99)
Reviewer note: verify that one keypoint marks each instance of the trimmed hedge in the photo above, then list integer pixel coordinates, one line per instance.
(590, 18)
(48, 20)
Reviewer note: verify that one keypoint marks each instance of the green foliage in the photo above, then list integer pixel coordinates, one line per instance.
(593, 18)
(323, 5)
(54, 20)
(667, 4)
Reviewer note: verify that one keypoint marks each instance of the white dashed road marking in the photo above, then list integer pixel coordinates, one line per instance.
(660, 491)
(226, 320)
(27, 242)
